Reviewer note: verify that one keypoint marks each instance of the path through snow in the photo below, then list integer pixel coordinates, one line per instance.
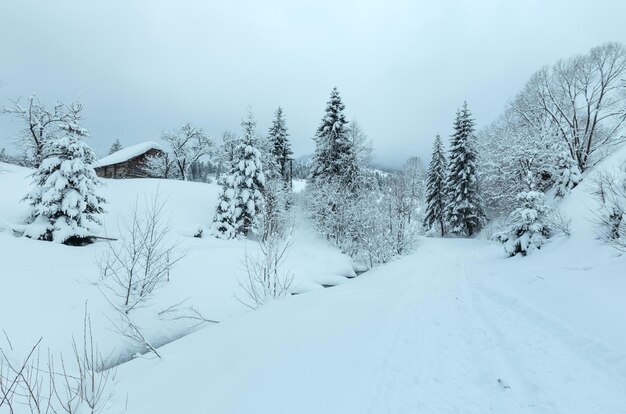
(429, 334)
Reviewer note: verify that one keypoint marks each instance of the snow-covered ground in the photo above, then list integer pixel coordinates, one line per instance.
(45, 285)
(455, 327)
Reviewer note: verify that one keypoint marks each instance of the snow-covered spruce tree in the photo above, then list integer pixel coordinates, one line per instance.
(334, 156)
(568, 174)
(435, 189)
(280, 148)
(223, 226)
(528, 228)
(464, 212)
(116, 146)
(242, 188)
(223, 221)
(248, 179)
(65, 203)
(3, 155)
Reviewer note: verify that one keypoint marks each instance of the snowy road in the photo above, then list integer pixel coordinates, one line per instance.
(459, 346)
(427, 334)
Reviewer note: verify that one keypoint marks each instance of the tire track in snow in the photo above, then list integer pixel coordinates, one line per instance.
(438, 360)
(451, 346)
(546, 360)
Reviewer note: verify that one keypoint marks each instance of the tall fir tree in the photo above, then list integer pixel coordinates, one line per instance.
(280, 147)
(334, 152)
(436, 188)
(116, 146)
(241, 197)
(464, 212)
(65, 203)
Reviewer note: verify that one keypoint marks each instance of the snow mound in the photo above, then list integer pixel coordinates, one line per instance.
(582, 206)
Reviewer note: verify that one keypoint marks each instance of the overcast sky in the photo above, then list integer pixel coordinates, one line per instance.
(402, 67)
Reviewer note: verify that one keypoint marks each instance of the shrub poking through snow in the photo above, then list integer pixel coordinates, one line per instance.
(141, 260)
(65, 202)
(611, 218)
(528, 230)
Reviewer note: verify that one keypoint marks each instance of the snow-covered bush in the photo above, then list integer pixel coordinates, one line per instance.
(558, 222)
(382, 227)
(65, 203)
(610, 189)
(568, 174)
(528, 230)
(371, 226)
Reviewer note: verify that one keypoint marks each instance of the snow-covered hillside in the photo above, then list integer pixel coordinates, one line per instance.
(45, 285)
(456, 327)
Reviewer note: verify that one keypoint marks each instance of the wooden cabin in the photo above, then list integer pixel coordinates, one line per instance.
(129, 162)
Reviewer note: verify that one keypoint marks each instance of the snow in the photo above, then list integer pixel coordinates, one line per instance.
(298, 185)
(49, 285)
(127, 153)
(456, 327)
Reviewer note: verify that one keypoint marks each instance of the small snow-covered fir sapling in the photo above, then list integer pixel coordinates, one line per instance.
(528, 228)
(222, 226)
(569, 175)
(65, 202)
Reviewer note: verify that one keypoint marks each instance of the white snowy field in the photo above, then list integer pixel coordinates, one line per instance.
(45, 285)
(455, 327)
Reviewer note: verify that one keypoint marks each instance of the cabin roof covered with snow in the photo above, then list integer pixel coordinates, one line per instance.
(127, 153)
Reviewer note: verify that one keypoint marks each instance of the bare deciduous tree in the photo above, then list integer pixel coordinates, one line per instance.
(188, 145)
(267, 280)
(583, 98)
(42, 123)
(142, 259)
